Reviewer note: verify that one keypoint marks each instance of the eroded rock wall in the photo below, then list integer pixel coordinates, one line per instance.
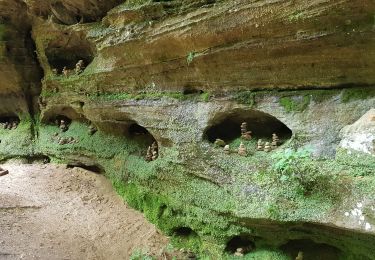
(184, 73)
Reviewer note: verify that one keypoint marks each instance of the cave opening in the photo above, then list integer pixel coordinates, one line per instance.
(66, 114)
(145, 140)
(245, 244)
(9, 121)
(141, 134)
(56, 120)
(310, 250)
(188, 90)
(5, 119)
(38, 158)
(227, 126)
(92, 168)
(184, 232)
(67, 51)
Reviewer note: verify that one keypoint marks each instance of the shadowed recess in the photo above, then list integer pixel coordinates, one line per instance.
(242, 242)
(227, 125)
(9, 119)
(67, 50)
(141, 135)
(311, 250)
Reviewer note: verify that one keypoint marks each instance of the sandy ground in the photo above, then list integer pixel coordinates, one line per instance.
(50, 212)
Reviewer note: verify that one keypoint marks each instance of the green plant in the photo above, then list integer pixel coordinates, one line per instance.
(190, 57)
(351, 94)
(205, 96)
(297, 15)
(295, 103)
(140, 254)
(245, 97)
(297, 167)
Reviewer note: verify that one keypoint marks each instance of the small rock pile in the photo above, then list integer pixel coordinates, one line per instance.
(246, 136)
(152, 152)
(64, 140)
(62, 124)
(80, 66)
(10, 124)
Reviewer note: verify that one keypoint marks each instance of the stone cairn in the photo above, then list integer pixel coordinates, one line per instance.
(246, 135)
(219, 142)
(299, 256)
(260, 145)
(10, 124)
(62, 125)
(226, 149)
(267, 147)
(63, 140)
(66, 140)
(92, 129)
(275, 141)
(55, 72)
(239, 252)
(152, 152)
(242, 150)
(79, 67)
(65, 72)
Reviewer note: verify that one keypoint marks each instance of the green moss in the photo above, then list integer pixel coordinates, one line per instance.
(3, 32)
(17, 142)
(216, 195)
(205, 96)
(351, 94)
(295, 103)
(245, 97)
(139, 254)
(99, 145)
(360, 164)
(262, 254)
(296, 16)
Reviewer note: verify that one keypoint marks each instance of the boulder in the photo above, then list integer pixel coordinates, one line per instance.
(360, 136)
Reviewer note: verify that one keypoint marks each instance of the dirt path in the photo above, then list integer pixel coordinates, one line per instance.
(50, 212)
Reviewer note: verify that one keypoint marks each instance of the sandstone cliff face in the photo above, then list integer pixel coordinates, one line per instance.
(19, 70)
(183, 73)
(235, 45)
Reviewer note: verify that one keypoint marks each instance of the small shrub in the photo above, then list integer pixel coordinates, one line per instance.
(190, 57)
(297, 167)
(297, 103)
(352, 94)
(245, 97)
(140, 254)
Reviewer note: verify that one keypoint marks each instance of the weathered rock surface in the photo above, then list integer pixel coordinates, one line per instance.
(19, 70)
(360, 136)
(183, 73)
(231, 45)
(71, 11)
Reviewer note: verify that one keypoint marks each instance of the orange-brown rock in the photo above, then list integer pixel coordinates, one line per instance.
(225, 46)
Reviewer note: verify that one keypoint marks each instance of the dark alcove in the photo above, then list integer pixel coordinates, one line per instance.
(227, 125)
(311, 250)
(67, 50)
(239, 242)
